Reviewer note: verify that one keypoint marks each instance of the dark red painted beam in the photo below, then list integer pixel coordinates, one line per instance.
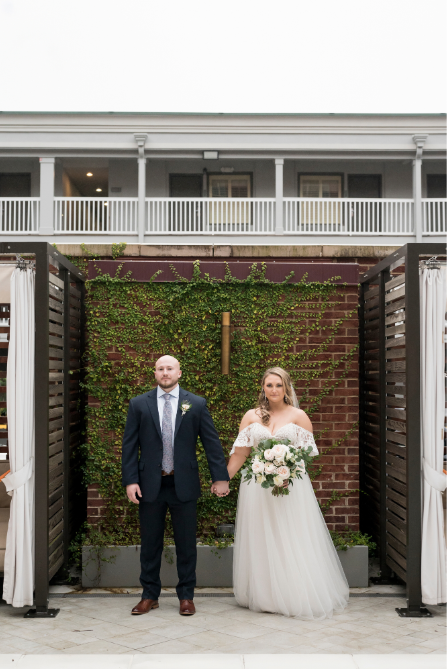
(144, 270)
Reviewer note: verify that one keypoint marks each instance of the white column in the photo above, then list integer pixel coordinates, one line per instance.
(46, 196)
(279, 194)
(141, 199)
(141, 141)
(419, 140)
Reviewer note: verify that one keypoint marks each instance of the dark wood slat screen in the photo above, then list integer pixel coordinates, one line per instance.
(59, 408)
(370, 411)
(64, 415)
(55, 428)
(390, 450)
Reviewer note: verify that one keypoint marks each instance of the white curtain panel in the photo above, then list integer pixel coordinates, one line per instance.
(18, 585)
(433, 305)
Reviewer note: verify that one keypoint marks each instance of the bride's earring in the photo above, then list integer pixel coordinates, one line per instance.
(286, 400)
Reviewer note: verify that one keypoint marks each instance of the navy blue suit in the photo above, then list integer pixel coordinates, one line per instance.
(141, 463)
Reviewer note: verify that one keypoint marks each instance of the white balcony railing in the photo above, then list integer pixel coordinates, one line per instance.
(257, 216)
(19, 214)
(434, 216)
(210, 215)
(348, 216)
(95, 215)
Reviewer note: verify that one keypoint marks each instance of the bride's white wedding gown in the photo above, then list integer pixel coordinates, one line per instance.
(284, 558)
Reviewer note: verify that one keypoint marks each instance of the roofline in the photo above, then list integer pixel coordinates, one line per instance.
(139, 113)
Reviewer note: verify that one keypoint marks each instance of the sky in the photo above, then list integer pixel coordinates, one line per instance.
(230, 56)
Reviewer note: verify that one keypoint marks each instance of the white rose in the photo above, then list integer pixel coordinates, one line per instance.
(269, 468)
(279, 451)
(284, 472)
(260, 478)
(278, 481)
(268, 454)
(257, 467)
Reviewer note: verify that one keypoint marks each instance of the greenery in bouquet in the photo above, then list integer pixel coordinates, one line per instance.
(273, 462)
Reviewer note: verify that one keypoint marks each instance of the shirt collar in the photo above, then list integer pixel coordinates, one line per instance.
(174, 392)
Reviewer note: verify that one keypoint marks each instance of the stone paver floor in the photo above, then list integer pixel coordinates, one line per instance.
(103, 625)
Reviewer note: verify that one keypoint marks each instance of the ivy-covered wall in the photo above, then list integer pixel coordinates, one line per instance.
(308, 328)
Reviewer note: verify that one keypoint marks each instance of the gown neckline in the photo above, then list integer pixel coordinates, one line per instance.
(282, 426)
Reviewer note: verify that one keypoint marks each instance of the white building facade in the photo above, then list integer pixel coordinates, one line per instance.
(223, 178)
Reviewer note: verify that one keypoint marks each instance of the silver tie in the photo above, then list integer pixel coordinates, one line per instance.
(166, 432)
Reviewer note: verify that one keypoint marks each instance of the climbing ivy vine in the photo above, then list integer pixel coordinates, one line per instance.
(131, 324)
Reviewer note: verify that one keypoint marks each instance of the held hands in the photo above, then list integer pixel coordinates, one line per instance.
(132, 491)
(220, 488)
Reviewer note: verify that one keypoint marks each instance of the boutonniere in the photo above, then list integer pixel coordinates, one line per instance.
(185, 406)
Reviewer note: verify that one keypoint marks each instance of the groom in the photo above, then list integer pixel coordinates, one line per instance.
(162, 428)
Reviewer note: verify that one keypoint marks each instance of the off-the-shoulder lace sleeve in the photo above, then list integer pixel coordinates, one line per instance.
(306, 439)
(244, 439)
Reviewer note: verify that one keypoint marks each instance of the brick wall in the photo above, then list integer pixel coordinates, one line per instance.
(338, 412)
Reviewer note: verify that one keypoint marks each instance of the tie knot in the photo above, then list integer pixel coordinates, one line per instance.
(166, 396)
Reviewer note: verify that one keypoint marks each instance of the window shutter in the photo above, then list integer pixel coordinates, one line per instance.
(230, 186)
(320, 185)
(219, 187)
(227, 216)
(320, 215)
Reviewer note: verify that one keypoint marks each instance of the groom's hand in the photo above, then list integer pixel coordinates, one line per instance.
(220, 488)
(132, 491)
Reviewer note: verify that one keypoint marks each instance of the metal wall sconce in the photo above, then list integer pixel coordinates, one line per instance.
(211, 155)
(226, 329)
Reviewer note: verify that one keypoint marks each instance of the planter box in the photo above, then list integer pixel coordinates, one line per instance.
(355, 565)
(214, 567)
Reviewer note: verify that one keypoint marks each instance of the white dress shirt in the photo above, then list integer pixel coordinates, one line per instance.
(174, 393)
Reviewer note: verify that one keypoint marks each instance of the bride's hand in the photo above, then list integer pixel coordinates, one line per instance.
(286, 483)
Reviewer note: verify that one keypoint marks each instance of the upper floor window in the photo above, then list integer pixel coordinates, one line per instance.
(15, 185)
(436, 185)
(320, 185)
(365, 185)
(234, 185)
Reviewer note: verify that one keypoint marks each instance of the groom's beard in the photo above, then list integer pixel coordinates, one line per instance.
(167, 385)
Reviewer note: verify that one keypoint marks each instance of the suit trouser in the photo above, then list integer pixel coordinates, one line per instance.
(152, 525)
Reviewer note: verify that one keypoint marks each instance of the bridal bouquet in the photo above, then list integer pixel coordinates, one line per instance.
(273, 461)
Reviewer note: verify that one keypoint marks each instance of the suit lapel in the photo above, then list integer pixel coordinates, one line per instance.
(182, 396)
(151, 399)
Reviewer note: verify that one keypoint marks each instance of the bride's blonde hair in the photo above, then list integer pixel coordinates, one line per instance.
(263, 408)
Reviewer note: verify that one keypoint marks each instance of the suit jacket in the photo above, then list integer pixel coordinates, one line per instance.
(143, 446)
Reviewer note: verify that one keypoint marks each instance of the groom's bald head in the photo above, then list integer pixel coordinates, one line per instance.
(167, 360)
(167, 372)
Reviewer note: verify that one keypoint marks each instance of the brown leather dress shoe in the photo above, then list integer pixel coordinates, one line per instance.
(187, 607)
(144, 606)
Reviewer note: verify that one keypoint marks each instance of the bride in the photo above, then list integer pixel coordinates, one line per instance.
(284, 558)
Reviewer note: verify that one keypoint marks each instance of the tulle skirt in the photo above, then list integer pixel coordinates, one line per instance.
(284, 558)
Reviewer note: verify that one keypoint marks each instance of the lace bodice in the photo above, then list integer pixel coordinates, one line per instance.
(255, 432)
